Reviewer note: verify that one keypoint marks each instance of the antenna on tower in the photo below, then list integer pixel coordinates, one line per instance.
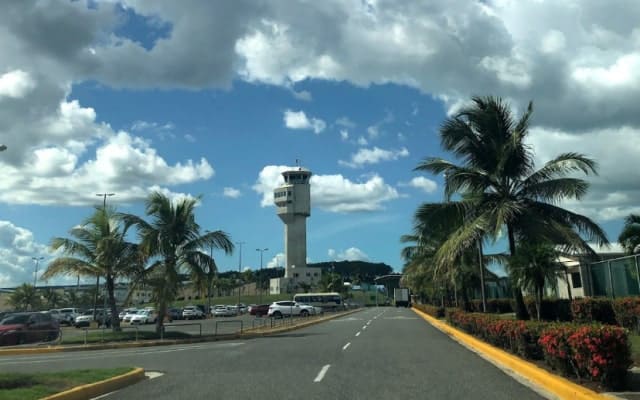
(297, 162)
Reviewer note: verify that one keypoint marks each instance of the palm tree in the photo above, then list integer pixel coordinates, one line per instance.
(173, 242)
(98, 248)
(501, 188)
(53, 298)
(533, 267)
(24, 297)
(630, 236)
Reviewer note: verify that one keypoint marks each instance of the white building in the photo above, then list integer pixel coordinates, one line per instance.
(293, 202)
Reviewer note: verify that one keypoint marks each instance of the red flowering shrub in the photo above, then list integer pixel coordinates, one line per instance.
(556, 349)
(434, 311)
(601, 353)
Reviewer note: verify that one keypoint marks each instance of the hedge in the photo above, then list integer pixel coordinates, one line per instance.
(595, 352)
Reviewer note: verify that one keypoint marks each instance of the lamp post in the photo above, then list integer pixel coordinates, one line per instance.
(210, 276)
(260, 276)
(35, 276)
(95, 300)
(239, 267)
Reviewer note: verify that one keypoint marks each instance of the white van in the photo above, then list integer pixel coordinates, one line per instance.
(70, 314)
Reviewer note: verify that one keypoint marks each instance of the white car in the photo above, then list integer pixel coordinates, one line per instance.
(223, 311)
(192, 312)
(279, 309)
(126, 311)
(63, 319)
(129, 314)
(144, 317)
(83, 320)
(70, 314)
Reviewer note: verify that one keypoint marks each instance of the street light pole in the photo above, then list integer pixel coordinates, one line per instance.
(260, 276)
(35, 276)
(239, 268)
(95, 301)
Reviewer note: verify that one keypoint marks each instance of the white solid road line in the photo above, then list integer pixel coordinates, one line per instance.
(322, 372)
(346, 345)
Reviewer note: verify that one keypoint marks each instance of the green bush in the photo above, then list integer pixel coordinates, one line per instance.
(434, 311)
(627, 312)
(551, 309)
(593, 309)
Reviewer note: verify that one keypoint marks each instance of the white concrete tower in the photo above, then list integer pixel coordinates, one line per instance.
(293, 201)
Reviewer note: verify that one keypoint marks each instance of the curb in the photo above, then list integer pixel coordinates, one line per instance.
(99, 388)
(549, 383)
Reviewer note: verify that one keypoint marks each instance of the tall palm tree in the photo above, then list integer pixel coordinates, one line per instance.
(630, 236)
(98, 248)
(173, 243)
(501, 185)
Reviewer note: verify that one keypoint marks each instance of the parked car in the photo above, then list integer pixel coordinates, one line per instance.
(144, 317)
(83, 320)
(203, 308)
(19, 328)
(242, 308)
(129, 314)
(259, 309)
(126, 311)
(174, 314)
(223, 311)
(279, 309)
(192, 312)
(315, 310)
(63, 319)
(71, 314)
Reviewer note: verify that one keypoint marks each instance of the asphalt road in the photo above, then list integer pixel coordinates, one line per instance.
(378, 353)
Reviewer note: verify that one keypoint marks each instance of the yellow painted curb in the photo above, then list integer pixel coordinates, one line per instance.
(554, 384)
(99, 388)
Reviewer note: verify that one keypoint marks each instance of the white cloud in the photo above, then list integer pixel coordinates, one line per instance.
(350, 254)
(15, 84)
(344, 134)
(362, 141)
(276, 261)
(231, 192)
(17, 247)
(302, 95)
(345, 122)
(373, 156)
(299, 120)
(332, 193)
(422, 183)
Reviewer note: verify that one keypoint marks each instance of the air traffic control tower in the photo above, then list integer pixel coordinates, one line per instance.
(293, 202)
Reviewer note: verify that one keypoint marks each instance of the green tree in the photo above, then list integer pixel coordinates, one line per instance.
(173, 241)
(535, 265)
(25, 297)
(53, 299)
(630, 236)
(502, 190)
(98, 248)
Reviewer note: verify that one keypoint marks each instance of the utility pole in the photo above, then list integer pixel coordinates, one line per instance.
(35, 276)
(95, 301)
(260, 276)
(239, 268)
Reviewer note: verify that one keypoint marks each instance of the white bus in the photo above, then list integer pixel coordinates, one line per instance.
(331, 301)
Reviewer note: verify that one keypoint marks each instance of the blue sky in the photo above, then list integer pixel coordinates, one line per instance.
(216, 98)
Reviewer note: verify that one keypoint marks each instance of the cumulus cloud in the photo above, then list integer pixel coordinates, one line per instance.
(17, 247)
(344, 134)
(231, 193)
(333, 193)
(350, 254)
(15, 84)
(299, 120)
(422, 183)
(373, 156)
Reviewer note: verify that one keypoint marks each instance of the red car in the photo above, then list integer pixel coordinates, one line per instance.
(259, 310)
(19, 328)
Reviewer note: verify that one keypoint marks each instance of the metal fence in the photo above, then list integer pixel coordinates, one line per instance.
(617, 277)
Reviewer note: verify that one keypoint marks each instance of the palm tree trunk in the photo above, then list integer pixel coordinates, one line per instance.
(115, 321)
(539, 290)
(521, 308)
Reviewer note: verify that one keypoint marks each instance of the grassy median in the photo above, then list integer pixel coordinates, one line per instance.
(18, 386)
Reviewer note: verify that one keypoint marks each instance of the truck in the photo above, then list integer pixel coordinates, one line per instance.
(401, 297)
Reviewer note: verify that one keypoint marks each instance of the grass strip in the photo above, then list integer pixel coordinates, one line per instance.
(124, 336)
(32, 386)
